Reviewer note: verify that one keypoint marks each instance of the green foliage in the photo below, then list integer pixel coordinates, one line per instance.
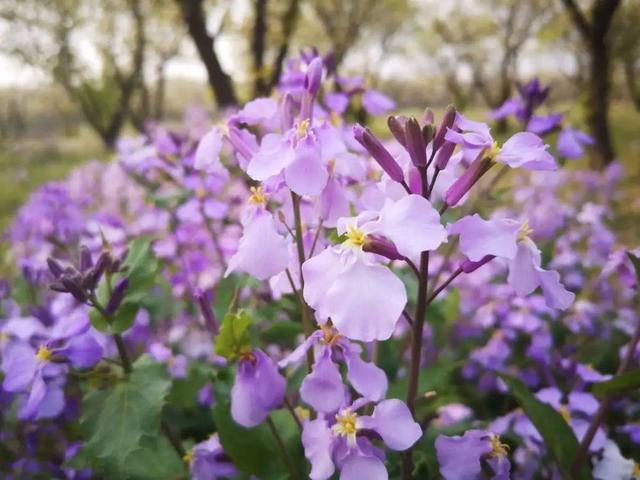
(556, 432)
(618, 384)
(434, 377)
(140, 268)
(121, 425)
(254, 451)
(283, 332)
(233, 338)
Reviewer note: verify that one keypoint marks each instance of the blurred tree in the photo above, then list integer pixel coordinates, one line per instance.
(626, 46)
(220, 81)
(486, 41)
(594, 28)
(98, 62)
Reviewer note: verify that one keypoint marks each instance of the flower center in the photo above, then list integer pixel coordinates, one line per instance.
(346, 425)
(566, 414)
(498, 449)
(201, 192)
(329, 335)
(636, 471)
(493, 152)
(44, 354)
(257, 196)
(335, 119)
(524, 232)
(302, 128)
(355, 237)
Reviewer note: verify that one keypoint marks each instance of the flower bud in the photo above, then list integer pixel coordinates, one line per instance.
(381, 246)
(468, 266)
(117, 296)
(444, 154)
(427, 133)
(396, 127)
(378, 152)
(86, 262)
(313, 78)
(428, 117)
(447, 122)
(92, 277)
(204, 302)
(54, 267)
(467, 180)
(72, 286)
(415, 143)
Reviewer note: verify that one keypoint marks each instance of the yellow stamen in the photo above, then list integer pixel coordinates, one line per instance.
(302, 413)
(566, 414)
(335, 119)
(524, 232)
(302, 128)
(188, 457)
(493, 152)
(332, 166)
(355, 237)
(329, 335)
(498, 449)
(636, 471)
(201, 192)
(346, 425)
(258, 196)
(44, 354)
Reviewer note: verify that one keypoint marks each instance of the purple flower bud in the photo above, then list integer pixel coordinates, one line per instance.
(378, 152)
(467, 180)
(444, 154)
(313, 78)
(415, 143)
(397, 127)
(468, 266)
(54, 267)
(447, 122)
(72, 286)
(381, 246)
(427, 133)
(86, 262)
(428, 117)
(92, 277)
(117, 296)
(204, 302)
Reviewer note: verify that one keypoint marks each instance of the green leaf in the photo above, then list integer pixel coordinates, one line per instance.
(433, 377)
(254, 450)
(620, 383)
(140, 267)
(224, 294)
(116, 420)
(233, 338)
(556, 432)
(155, 459)
(284, 332)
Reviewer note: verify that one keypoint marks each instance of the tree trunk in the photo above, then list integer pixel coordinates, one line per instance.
(598, 103)
(258, 46)
(219, 81)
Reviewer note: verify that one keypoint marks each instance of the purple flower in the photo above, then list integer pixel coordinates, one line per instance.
(207, 461)
(207, 156)
(571, 142)
(344, 282)
(613, 466)
(343, 441)
(376, 103)
(510, 240)
(460, 457)
(258, 389)
(524, 149)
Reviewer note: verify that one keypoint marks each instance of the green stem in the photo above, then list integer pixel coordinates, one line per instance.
(283, 450)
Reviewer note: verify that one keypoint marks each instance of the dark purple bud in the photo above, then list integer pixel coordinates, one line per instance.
(468, 266)
(381, 246)
(58, 287)
(313, 78)
(73, 286)
(444, 154)
(378, 152)
(116, 296)
(427, 133)
(329, 62)
(462, 185)
(93, 276)
(415, 143)
(396, 127)
(86, 262)
(54, 267)
(204, 301)
(447, 122)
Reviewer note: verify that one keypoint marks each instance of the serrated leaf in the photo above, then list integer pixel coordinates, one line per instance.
(620, 383)
(234, 335)
(556, 432)
(155, 459)
(115, 420)
(254, 450)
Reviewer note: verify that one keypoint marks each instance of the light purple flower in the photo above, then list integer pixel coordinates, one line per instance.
(571, 142)
(376, 103)
(207, 461)
(207, 156)
(258, 389)
(345, 283)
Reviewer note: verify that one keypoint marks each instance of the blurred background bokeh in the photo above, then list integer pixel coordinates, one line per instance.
(77, 74)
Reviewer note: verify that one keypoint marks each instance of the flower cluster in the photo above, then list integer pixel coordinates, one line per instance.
(286, 294)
